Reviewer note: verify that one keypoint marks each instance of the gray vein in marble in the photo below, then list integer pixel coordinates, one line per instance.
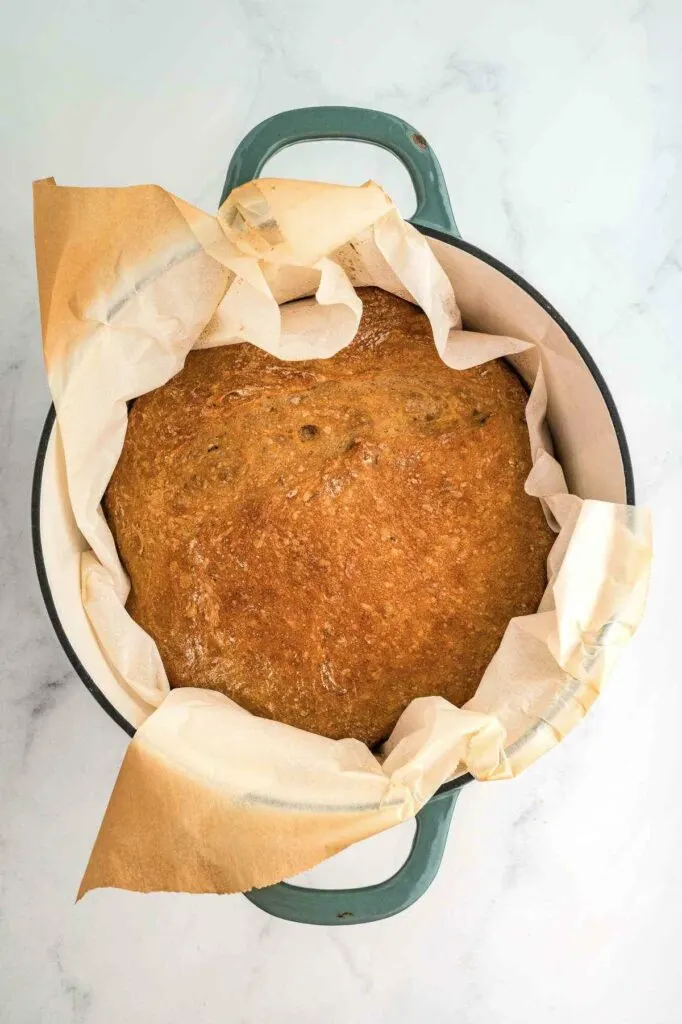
(77, 996)
(41, 700)
(343, 942)
(515, 865)
(671, 261)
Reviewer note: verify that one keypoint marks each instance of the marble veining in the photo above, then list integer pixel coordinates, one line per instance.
(559, 133)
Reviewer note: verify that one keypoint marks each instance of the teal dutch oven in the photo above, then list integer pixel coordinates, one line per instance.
(433, 217)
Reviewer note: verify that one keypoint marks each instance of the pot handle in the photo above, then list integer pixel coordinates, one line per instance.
(361, 125)
(372, 902)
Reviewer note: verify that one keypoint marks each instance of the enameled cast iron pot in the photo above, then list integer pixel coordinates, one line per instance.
(604, 473)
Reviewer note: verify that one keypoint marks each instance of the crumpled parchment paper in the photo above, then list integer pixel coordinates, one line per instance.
(210, 798)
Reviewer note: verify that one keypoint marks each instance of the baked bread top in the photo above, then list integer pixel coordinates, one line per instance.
(325, 540)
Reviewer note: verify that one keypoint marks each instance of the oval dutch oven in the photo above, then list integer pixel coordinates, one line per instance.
(604, 472)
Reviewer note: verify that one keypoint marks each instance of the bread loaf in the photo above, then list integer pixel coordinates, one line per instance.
(323, 541)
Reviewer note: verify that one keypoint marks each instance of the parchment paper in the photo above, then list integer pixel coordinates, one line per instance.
(209, 797)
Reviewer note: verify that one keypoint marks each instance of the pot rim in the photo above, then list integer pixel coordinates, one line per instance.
(441, 236)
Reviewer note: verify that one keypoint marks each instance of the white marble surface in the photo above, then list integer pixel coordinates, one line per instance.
(558, 128)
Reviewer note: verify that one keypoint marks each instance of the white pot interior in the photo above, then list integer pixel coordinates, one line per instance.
(583, 432)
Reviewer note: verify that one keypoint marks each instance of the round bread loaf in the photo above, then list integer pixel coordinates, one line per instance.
(323, 541)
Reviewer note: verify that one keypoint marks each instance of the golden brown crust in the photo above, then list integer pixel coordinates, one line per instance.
(324, 541)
